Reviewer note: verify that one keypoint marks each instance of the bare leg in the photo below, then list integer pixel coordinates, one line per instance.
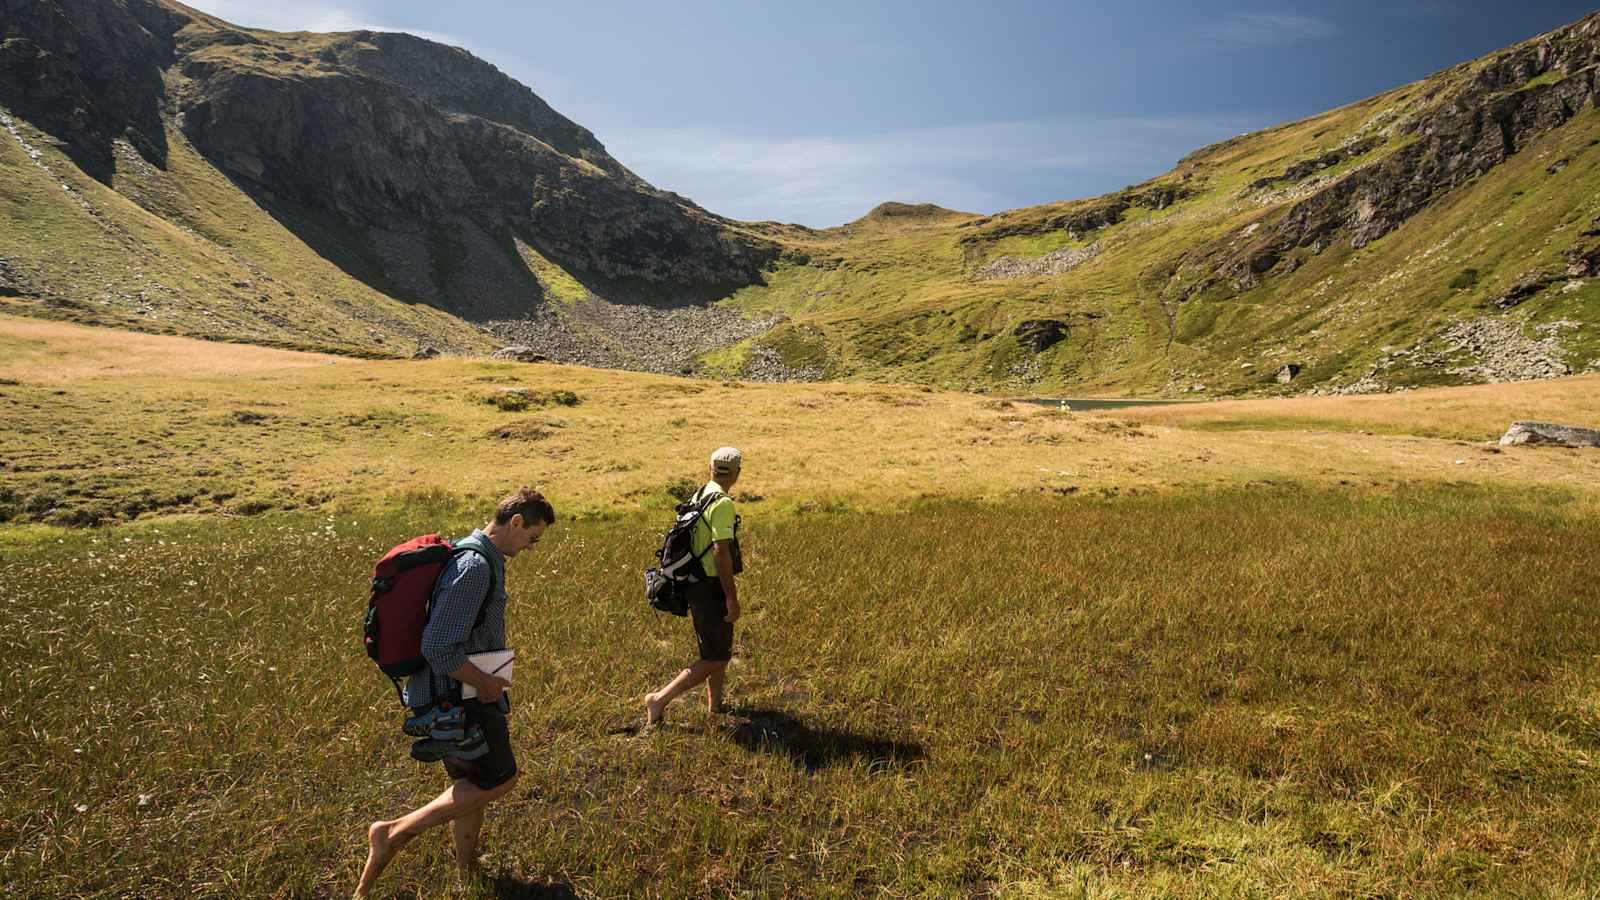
(714, 680)
(464, 830)
(655, 703)
(384, 839)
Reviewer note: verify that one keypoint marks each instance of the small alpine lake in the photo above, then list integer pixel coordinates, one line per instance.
(1076, 404)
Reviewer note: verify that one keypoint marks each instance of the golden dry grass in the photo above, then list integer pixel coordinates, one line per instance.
(161, 424)
(1473, 412)
(56, 353)
(1259, 693)
(990, 649)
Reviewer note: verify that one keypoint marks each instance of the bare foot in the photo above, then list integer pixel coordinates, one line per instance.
(654, 709)
(380, 849)
(469, 875)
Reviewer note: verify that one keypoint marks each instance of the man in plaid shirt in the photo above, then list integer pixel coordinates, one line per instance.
(468, 616)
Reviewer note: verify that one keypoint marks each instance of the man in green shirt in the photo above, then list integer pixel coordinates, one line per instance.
(714, 600)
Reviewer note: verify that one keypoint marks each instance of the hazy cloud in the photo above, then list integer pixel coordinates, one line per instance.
(308, 15)
(828, 180)
(301, 15)
(1268, 29)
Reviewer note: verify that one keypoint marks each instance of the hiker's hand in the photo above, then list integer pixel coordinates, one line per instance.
(733, 613)
(490, 691)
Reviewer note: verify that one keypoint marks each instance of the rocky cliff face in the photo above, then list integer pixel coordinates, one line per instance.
(88, 72)
(1443, 231)
(1468, 120)
(416, 167)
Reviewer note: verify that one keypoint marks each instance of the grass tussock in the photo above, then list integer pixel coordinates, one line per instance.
(523, 399)
(1266, 692)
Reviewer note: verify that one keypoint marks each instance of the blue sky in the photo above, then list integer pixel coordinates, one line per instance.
(815, 112)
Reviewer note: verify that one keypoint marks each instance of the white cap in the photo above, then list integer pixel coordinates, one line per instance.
(726, 460)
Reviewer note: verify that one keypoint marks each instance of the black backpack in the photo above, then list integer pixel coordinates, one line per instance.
(679, 566)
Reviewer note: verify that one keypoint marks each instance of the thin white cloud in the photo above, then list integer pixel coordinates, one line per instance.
(301, 15)
(1268, 29)
(308, 15)
(828, 180)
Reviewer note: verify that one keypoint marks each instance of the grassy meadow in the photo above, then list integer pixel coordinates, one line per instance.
(1329, 647)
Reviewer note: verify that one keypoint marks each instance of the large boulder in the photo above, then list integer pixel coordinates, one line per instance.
(1546, 433)
(520, 353)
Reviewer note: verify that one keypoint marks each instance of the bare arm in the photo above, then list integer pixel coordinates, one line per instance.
(722, 555)
(488, 686)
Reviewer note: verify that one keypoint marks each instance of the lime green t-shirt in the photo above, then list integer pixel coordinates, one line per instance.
(715, 525)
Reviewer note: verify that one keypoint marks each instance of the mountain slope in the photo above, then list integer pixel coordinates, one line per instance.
(419, 173)
(374, 193)
(1440, 232)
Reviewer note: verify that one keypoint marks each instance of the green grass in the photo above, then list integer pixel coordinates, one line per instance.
(1255, 692)
(1552, 77)
(184, 251)
(559, 285)
(1345, 426)
(727, 362)
(1029, 246)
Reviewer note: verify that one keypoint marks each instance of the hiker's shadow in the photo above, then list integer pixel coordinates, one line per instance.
(506, 886)
(774, 731)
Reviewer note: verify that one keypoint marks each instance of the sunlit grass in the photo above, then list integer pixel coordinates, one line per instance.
(1272, 692)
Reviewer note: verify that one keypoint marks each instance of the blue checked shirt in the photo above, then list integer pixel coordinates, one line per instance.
(450, 635)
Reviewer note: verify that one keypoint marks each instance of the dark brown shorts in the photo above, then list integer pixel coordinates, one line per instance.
(712, 630)
(496, 767)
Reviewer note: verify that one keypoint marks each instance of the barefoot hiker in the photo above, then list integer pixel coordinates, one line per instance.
(468, 616)
(713, 600)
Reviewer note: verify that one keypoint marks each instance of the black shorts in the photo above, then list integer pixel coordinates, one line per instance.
(712, 630)
(496, 767)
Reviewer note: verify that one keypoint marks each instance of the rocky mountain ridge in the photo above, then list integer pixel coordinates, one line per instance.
(377, 192)
(414, 166)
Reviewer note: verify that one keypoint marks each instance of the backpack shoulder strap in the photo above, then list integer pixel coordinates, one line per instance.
(483, 605)
(702, 511)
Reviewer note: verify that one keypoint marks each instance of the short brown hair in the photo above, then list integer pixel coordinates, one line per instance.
(527, 503)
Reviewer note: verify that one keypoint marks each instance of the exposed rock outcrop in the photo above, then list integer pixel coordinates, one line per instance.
(593, 332)
(414, 166)
(519, 353)
(441, 162)
(88, 72)
(1546, 433)
(1500, 352)
(1494, 108)
(1076, 218)
(1307, 168)
(1040, 335)
(12, 282)
(1054, 263)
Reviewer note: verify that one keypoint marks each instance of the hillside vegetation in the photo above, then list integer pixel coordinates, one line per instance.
(372, 194)
(365, 192)
(1443, 232)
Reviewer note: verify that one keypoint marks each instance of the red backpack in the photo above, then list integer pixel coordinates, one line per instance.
(402, 597)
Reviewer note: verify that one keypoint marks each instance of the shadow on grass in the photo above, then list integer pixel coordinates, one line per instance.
(510, 887)
(777, 732)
